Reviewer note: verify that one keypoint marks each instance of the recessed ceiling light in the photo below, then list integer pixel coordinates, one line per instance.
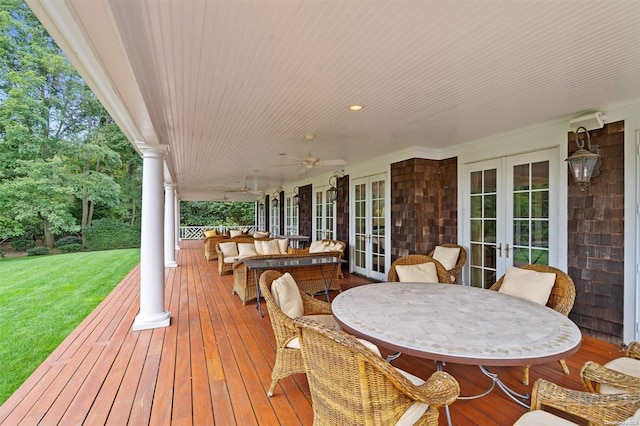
(355, 107)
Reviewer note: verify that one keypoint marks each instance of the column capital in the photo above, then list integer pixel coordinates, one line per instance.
(152, 151)
(170, 185)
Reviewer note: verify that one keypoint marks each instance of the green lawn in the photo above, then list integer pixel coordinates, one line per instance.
(43, 298)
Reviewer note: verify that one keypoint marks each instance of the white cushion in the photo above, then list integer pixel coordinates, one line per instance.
(231, 259)
(262, 234)
(448, 256)
(235, 233)
(228, 249)
(633, 420)
(325, 319)
(247, 249)
(318, 247)
(527, 284)
(539, 418)
(417, 409)
(626, 365)
(258, 246)
(420, 273)
(286, 295)
(283, 245)
(270, 247)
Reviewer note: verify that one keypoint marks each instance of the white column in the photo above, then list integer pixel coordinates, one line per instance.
(169, 226)
(152, 312)
(177, 204)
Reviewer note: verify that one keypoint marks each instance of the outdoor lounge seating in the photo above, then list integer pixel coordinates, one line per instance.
(309, 278)
(593, 408)
(288, 355)
(211, 238)
(417, 275)
(452, 257)
(351, 384)
(619, 375)
(231, 249)
(561, 295)
(335, 247)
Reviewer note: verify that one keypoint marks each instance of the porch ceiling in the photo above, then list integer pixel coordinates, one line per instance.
(230, 85)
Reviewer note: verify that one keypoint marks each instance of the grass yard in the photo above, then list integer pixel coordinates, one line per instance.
(43, 298)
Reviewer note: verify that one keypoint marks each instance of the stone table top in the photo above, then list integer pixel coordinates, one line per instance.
(460, 324)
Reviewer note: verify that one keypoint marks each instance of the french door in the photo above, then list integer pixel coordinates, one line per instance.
(510, 214)
(369, 207)
(325, 213)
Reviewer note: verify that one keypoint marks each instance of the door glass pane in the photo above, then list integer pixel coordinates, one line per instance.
(540, 204)
(540, 175)
(476, 183)
(521, 204)
(490, 184)
(521, 177)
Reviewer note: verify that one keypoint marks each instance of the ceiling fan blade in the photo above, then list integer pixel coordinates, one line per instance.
(256, 192)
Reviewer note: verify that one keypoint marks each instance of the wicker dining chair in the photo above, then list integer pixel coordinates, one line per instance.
(619, 375)
(457, 269)
(352, 385)
(594, 409)
(416, 259)
(288, 356)
(561, 299)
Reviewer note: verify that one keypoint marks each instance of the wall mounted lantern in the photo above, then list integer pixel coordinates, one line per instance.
(584, 164)
(274, 201)
(296, 197)
(332, 193)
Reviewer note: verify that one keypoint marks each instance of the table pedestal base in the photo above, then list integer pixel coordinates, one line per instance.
(495, 380)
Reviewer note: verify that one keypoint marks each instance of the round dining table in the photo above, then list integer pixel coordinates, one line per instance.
(457, 324)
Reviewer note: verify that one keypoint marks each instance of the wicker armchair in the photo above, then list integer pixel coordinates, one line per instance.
(351, 385)
(561, 299)
(288, 359)
(594, 408)
(416, 259)
(619, 375)
(457, 269)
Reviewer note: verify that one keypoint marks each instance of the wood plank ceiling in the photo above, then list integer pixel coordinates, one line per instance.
(230, 86)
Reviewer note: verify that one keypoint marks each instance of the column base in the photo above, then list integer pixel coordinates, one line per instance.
(146, 322)
(171, 264)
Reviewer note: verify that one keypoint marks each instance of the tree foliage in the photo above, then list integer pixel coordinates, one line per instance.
(203, 213)
(62, 158)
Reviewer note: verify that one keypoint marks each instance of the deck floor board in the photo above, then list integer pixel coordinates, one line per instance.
(212, 365)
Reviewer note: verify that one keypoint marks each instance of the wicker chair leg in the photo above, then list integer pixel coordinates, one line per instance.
(525, 374)
(564, 366)
(274, 382)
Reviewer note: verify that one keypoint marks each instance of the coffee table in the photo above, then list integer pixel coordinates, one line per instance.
(285, 263)
(458, 324)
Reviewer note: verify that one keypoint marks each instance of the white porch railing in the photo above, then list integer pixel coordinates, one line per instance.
(196, 232)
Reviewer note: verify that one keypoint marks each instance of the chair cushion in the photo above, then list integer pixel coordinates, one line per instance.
(258, 246)
(210, 233)
(626, 365)
(261, 234)
(633, 420)
(527, 284)
(539, 417)
(228, 249)
(247, 249)
(335, 247)
(420, 273)
(448, 256)
(286, 295)
(417, 409)
(318, 247)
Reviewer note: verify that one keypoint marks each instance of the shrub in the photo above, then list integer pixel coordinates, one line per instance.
(38, 251)
(22, 244)
(70, 248)
(109, 234)
(71, 239)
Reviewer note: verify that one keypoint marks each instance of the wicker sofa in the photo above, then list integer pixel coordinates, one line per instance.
(309, 279)
(335, 247)
(210, 246)
(224, 263)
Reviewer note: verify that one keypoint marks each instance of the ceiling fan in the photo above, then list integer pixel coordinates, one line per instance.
(310, 161)
(246, 190)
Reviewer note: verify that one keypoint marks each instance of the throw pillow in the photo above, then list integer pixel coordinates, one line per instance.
(235, 233)
(286, 295)
(258, 246)
(527, 284)
(261, 234)
(448, 256)
(228, 249)
(210, 233)
(247, 249)
(270, 247)
(318, 247)
(421, 273)
(283, 245)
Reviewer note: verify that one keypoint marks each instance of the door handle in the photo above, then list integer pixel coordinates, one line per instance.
(507, 251)
(499, 249)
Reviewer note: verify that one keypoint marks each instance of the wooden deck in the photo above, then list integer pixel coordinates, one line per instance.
(212, 365)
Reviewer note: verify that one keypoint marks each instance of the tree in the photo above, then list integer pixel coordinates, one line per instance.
(217, 213)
